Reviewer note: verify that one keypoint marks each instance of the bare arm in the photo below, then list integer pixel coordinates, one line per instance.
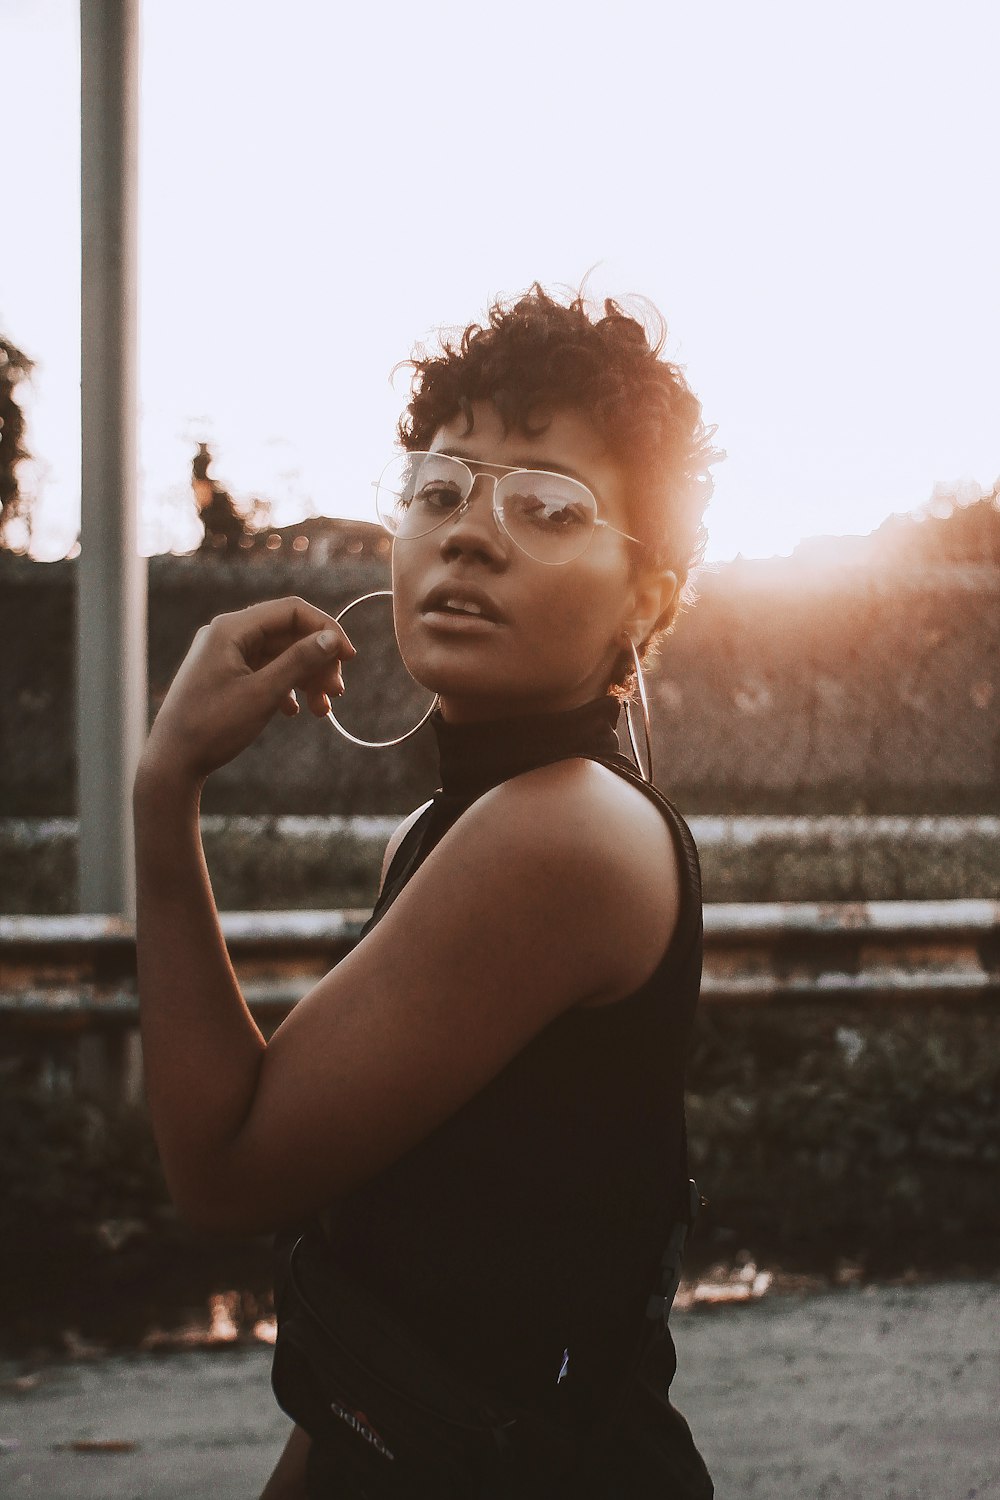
(183, 956)
(201, 1047)
(192, 1013)
(288, 1481)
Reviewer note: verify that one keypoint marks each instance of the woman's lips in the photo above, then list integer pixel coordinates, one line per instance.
(455, 597)
(453, 621)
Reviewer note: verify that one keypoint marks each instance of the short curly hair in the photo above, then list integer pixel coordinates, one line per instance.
(539, 354)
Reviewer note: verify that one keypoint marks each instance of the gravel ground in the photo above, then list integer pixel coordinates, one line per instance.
(880, 1393)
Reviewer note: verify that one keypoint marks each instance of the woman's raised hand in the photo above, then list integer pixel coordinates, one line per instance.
(241, 670)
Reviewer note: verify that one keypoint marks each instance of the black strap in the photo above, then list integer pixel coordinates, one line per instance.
(661, 1300)
(690, 919)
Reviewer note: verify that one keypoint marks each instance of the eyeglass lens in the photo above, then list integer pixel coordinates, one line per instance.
(549, 516)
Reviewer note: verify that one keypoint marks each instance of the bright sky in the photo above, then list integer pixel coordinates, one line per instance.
(808, 192)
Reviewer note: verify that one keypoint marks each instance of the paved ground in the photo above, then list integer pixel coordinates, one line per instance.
(861, 1394)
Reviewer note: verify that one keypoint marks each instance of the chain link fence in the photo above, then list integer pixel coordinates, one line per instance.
(832, 732)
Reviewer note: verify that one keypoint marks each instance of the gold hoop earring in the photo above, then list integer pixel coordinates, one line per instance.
(376, 744)
(640, 682)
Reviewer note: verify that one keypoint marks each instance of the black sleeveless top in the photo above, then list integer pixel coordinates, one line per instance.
(522, 1237)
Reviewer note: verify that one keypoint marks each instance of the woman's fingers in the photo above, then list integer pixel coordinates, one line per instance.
(292, 644)
(312, 665)
(241, 670)
(269, 628)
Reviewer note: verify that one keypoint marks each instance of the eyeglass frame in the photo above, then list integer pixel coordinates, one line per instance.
(463, 505)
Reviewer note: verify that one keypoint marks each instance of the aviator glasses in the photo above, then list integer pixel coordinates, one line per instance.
(550, 517)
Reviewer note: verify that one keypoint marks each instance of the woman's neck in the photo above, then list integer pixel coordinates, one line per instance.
(478, 754)
(459, 708)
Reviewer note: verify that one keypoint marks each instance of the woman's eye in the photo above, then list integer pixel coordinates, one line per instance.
(552, 515)
(439, 496)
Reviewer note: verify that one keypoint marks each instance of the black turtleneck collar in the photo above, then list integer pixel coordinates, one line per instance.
(476, 757)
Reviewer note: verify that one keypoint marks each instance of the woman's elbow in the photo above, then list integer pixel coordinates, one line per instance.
(219, 1207)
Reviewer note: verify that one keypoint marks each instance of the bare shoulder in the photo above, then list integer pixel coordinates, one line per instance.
(578, 823)
(590, 813)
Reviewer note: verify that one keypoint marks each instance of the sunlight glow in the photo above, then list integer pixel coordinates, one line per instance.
(807, 194)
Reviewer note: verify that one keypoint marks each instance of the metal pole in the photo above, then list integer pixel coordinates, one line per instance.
(111, 696)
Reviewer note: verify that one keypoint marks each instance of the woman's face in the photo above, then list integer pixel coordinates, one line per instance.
(555, 631)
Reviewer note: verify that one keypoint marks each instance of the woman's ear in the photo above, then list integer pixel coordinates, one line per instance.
(653, 596)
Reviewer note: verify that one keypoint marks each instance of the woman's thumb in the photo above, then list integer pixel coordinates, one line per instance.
(328, 642)
(316, 656)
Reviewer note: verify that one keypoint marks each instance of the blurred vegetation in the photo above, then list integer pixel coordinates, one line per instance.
(68, 1166)
(821, 1137)
(229, 527)
(15, 366)
(959, 524)
(955, 526)
(971, 532)
(872, 1134)
(91, 1247)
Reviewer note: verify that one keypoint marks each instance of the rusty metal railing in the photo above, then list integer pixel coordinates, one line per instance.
(84, 966)
(68, 998)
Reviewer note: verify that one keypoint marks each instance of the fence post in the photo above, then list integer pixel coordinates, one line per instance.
(111, 577)
(111, 673)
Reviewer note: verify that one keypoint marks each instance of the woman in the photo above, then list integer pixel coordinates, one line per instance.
(482, 1104)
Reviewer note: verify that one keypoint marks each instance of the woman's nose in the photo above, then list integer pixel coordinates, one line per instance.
(475, 529)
